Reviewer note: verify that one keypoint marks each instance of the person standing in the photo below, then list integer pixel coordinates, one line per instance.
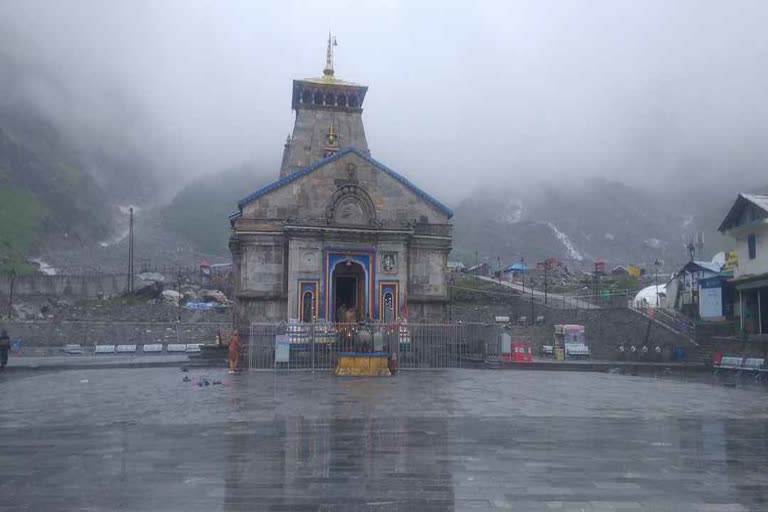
(5, 346)
(234, 351)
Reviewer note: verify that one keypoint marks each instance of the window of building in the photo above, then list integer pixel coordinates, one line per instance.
(307, 307)
(752, 246)
(389, 309)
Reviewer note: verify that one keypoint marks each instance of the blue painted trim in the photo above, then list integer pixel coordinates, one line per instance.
(345, 151)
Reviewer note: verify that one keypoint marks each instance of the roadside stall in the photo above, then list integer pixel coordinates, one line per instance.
(570, 342)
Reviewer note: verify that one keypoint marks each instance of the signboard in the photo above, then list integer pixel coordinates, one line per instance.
(711, 302)
(633, 271)
(731, 260)
(282, 348)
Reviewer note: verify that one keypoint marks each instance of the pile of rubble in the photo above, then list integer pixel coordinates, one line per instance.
(558, 276)
(151, 289)
(153, 286)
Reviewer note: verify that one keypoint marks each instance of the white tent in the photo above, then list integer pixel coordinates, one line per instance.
(647, 296)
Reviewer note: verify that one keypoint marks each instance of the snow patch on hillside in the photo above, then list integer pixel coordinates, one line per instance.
(513, 211)
(121, 221)
(570, 248)
(655, 243)
(44, 267)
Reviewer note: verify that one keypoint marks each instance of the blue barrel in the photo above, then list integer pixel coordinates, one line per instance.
(678, 353)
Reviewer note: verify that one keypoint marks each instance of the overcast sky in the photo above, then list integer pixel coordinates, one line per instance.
(461, 94)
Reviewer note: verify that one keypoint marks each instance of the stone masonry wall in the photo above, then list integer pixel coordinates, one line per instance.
(604, 328)
(49, 337)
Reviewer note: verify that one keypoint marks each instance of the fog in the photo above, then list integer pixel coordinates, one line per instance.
(461, 94)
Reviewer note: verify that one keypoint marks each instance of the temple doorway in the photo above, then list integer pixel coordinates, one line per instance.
(349, 289)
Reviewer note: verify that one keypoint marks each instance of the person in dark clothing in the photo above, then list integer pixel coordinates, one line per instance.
(5, 346)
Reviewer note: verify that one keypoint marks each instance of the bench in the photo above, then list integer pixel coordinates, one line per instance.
(754, 364)
(104, 349)
(193, 347)
(73, 348)
(176, 347)
(729, 363)
(126, 349)
(575, 350)
(547, 350)
(523, 320)
(152, 348)
(738, 365)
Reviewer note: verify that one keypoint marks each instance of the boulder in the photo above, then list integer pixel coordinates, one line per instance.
(190, 296)
(155, 277)
(25, 311)
(213, 296)
(170, 297)
(148, 284)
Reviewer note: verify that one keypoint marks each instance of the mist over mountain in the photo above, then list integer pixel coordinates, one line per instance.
(200, 211)
(140, 100)
(578, 222)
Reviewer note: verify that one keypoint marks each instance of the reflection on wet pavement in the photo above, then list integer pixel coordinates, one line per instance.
(452, 440)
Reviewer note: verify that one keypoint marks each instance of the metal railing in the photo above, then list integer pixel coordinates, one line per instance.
(317, 346)
(670, 319)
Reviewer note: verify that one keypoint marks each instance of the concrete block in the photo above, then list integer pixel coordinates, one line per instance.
(73, 348)
(152, 348)
(193, 347)
(104, 349)
(126, 349)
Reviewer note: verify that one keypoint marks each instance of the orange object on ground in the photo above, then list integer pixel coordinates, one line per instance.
(233, 351)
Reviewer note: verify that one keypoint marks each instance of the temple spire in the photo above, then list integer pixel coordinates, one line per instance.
(328, 71)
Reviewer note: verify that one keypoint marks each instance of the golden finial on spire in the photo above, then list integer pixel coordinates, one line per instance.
(328, 71)
(331, 137)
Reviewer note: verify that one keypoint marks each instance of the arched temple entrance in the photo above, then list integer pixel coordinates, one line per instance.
(349, 286)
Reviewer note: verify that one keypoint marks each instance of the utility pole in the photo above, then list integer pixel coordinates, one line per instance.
(532, 312)
(178, 290)
(476, 264)
(10, 295)
(498, 266)
(546, 267)
(656, 279)
(130, 251)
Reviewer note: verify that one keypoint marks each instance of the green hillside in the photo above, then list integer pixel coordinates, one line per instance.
(200, 212)
(42, 194)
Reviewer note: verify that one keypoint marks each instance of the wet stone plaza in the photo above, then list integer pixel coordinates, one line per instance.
(151, 439)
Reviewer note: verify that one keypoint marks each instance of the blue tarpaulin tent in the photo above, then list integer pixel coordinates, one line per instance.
(517, 267)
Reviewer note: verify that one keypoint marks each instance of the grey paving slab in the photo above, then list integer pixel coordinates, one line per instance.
(146, 439)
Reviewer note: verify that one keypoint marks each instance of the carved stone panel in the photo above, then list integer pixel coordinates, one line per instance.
(352, 206)
(389, 263)
(309, 260)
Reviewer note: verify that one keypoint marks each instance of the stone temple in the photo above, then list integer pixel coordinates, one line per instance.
(338, 228)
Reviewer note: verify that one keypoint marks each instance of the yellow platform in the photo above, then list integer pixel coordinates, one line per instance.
(363, 365)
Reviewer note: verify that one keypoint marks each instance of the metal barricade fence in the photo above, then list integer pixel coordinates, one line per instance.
(316, 346)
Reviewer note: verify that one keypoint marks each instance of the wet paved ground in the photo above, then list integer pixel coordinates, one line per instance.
(142, 439)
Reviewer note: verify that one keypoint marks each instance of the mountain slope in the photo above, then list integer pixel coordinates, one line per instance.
(598, 218)
(41, 196)
(200, 211)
